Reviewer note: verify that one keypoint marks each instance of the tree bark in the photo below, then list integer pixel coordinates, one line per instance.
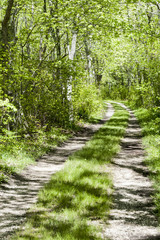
(6, 21)
(45, 6)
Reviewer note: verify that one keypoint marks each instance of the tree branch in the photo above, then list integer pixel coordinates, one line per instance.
(29, 34)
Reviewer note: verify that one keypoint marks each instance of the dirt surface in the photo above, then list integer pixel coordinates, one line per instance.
(133, 215)
(20, 193)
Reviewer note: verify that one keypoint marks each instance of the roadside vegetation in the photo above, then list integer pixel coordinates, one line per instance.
(59, 59)
(81, 192)
(18, 151)
(22, 147)
(150, 123)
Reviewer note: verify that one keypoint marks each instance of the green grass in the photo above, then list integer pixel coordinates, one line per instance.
(81, 192)
(151, 142)
(16, 153)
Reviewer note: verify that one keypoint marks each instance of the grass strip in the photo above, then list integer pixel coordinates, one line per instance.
(151, 142)
(80, 194)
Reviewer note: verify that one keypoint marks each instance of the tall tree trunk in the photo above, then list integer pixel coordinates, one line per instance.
(4, 48)
(45, 6)
(68, 87)
(72, 50)
(6, 21)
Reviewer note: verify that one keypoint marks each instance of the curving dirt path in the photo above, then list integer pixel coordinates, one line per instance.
(133, 214)
(20, 193)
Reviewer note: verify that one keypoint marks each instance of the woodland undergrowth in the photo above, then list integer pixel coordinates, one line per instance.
(17, 150)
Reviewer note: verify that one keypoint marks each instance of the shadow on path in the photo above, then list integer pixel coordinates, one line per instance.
(20, 193)
(133, 216)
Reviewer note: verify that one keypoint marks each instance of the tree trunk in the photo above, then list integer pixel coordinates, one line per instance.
(4, 48)
(5, 22)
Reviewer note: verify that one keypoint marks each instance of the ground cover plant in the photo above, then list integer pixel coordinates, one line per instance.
(18, 152)
(81, 192)
(151, 140)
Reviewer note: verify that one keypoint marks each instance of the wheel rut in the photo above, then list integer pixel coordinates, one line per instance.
(133, 214)
(20, 193)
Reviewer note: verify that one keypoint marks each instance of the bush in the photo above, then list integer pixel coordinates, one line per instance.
(86, 101)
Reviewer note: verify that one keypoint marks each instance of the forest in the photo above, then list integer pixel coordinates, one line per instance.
(60, 61)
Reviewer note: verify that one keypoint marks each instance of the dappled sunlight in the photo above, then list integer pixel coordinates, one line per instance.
(69, 201)
(22, 189)
(105, 143)
(81, 192)
(133, 214)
